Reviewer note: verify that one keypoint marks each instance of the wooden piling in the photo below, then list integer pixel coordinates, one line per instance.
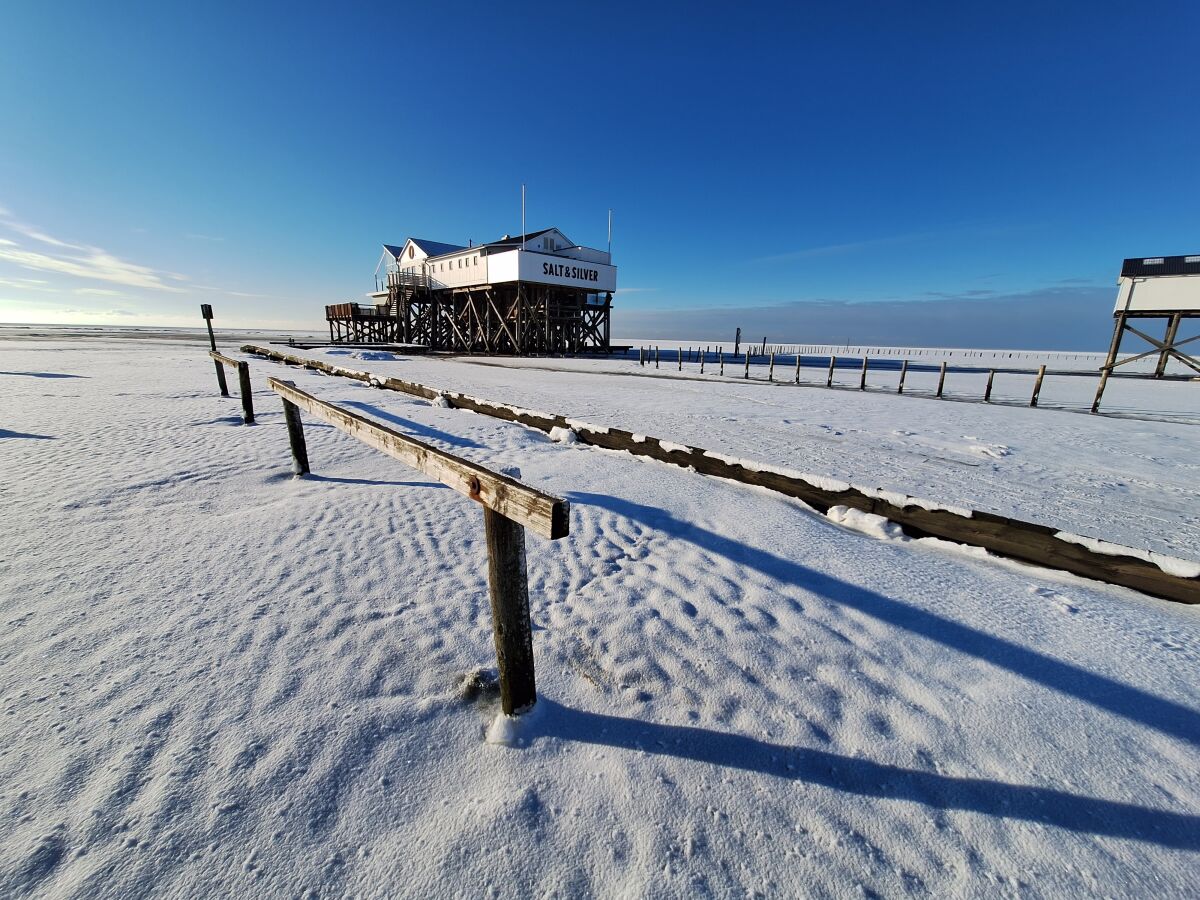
(656, 357)
(679, 353)
(747, 375)
(508, 585)
(702, 355)
(829, 378)
(1037, 386)
(247, 393)
(903, 374)
(771, 371)
(941, 378)
(295, 429)
(987, 391)
(797, 366)
(721, 356)
(862, 383)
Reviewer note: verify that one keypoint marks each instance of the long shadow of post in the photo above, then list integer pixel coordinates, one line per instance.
(416, 428)
(1132, 703)
(852, 775)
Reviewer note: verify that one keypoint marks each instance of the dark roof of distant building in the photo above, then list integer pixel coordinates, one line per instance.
(1143, 266)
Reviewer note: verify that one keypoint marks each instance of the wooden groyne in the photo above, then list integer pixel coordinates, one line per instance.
(1025, 541)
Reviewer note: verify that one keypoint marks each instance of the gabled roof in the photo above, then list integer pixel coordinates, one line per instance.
(516, 241)
(429, 248)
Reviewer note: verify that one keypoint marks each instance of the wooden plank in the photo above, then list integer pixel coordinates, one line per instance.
(1026, 541)
(544, 514)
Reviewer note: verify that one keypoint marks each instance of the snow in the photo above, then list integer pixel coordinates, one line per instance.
(867, 523)
(563, 435)
(220, 680)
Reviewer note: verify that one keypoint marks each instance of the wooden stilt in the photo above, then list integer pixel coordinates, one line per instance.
(1037, 386)
(832, 364)
(903, 374)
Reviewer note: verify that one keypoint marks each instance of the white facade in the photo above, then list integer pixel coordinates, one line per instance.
(1161, 293)
(548, 257)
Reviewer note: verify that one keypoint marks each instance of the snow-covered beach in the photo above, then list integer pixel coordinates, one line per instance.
(216, 679)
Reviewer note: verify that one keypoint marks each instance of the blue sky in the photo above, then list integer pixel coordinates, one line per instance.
(759, 158)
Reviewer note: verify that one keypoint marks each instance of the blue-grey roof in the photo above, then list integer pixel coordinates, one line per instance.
(429, 248)
(436, 248)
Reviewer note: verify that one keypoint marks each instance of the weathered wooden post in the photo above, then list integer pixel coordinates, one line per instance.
(747, 374)
(798, 365)
(702, 361)
(737, 340)
(862, 382)
(903, 373)
(641, 356)
(1037, 386)
(764, 347)
(247, 394)
(656, 356)
(829, 378)
(679, 352)
(206, 311)
(508, 585)
(721, 356)
(941, 378)
(987, 391)
(771, 371)
(295, 428)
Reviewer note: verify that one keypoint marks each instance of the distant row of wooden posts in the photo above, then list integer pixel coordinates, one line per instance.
(644, 357)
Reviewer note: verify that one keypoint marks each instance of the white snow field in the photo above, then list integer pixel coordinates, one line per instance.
(217, 680)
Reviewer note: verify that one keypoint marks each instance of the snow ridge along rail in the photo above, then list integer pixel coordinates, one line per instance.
(1024, 541)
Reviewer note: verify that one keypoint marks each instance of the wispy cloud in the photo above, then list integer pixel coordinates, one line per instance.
(78, 260)
(634, 290)
(98, 292)
(849, 247)
(202, 237)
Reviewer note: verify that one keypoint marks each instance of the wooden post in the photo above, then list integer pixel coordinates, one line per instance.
(206, 311)
(679, 353)
(641, 356)
(656, 357)
(1037, 386)
(987, 391)
(797, 366)
(509, 589)
(1168, 341)
(862, 383)
(829, 379)
(764, 348)
(941, 378)
(747, 375)
(704, 354)
(247, 396)
(291, 415)
(721, 355)
(771, 372)
(903, 373)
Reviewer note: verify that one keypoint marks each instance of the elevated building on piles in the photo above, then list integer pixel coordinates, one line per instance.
(536, 293)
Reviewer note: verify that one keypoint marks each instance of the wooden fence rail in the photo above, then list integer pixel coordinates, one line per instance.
(509, 508)
(1026, 541)
(243, 370)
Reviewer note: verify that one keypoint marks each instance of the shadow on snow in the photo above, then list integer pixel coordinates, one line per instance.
(1090, 815)
(1105, 693)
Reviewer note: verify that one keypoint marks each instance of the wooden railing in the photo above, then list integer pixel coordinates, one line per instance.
(509, 507)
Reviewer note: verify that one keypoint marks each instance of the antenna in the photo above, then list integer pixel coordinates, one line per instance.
(610, 237)
(522, 217)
